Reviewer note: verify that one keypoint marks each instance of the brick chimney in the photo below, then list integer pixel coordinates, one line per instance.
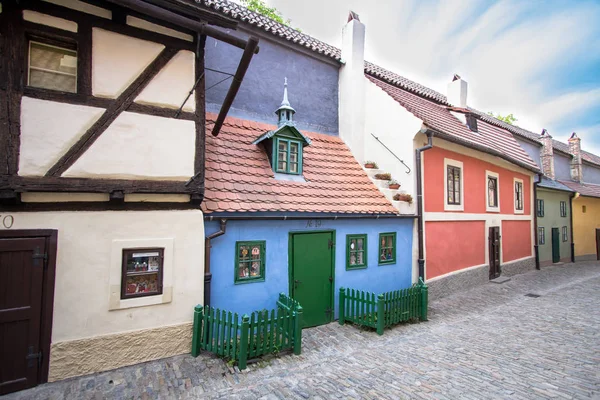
(352, 86)
(547, 155)
(575, 150)
(457, 92)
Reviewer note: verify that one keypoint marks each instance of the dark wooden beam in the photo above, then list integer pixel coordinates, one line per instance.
(94, 206)
(121, 104)
(12, 51)
(174, 18)
(236, 83)
(195, 10)
(96, 185)
(200, 113)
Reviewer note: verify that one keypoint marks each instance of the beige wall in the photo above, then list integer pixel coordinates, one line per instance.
(585, 225)
(86, 266)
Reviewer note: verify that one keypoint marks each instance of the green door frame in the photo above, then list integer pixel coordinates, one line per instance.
(291, 263)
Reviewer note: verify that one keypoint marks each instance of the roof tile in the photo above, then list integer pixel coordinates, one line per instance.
(239, 177)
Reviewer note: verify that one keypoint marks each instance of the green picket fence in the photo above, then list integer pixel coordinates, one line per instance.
(263, 332)
(385, 309)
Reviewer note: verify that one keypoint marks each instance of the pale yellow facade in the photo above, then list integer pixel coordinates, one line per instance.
(586, 220)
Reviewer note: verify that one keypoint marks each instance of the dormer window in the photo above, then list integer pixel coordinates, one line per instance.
(289, 156)
(285, 144)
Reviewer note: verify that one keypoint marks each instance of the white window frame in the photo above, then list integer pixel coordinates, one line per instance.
(515, 180)
(457, 164)
(487, 200)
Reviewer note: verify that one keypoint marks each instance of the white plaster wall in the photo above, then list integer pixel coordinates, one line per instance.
(138, 146)
(48, 130)
(352, 88)
(171, 85)
(117, 60)
(149, 26)
(49, 20)
(394, 126)
(81, 295)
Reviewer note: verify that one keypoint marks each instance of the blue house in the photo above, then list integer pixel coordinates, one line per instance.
(292, 211)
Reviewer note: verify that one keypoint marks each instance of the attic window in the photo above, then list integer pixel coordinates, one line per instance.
(288, 157)
(471, 122)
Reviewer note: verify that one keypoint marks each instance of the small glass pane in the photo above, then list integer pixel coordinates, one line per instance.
(244, 270)
(52, 67)
(293, 167)
(142, 272)
(360, 257)
(293, 157)
(244, 253)
(352, 258)
(360, 244)
(293, 147)
(352, 244)
(281, 166)
(283, 145)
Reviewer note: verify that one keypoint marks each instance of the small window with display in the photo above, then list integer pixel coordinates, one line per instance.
(250, 261)
(142, 273)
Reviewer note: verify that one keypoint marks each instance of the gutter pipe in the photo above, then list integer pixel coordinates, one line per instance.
(420, 222)
(536, 249)
(207, 273)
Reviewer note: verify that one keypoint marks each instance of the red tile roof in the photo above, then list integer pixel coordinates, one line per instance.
(239, 177)
(584, 189)
(489, 138)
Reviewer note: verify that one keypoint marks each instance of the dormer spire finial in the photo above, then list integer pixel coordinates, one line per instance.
(285, 112)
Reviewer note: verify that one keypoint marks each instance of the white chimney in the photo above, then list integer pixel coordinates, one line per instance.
(352, 86)
(457, 92)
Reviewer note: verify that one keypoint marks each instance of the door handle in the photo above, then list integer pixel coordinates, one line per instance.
(296, 282)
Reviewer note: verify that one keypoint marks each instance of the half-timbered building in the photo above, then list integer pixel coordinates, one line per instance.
(102, 125)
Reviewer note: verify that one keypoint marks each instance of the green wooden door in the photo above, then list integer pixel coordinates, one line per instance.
(555, 245)
(312, 275)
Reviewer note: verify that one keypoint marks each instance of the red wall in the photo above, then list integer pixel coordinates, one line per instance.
(474, 183)
(515, 240)
(454, 245)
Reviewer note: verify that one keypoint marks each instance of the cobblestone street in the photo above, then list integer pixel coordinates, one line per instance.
(490, 342)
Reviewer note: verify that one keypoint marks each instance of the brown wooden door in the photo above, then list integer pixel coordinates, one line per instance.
(494, 246)
(21, 288)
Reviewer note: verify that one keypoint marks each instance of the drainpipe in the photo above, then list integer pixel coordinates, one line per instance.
(536, 249)
(571, 215)
(207, 273)
(429, 145)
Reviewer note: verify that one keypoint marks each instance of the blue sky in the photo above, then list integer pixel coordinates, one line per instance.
(539, 60)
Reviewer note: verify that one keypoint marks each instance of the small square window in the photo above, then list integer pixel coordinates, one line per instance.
(250, 261)
(565, 236)
(563, 208)
(356, 251)
(387, 248)
(541, 236)
(142, 272)
(540, 208)
(52, 67)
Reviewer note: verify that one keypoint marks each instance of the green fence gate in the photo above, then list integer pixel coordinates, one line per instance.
(385, 309)
(263, 332)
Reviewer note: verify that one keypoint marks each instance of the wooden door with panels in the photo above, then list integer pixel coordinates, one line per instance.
(494, 247)
(312, 275)
(27, 267)
(555, 245)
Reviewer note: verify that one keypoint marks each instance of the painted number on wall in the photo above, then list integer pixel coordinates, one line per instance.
(313, 223)
(7, 221)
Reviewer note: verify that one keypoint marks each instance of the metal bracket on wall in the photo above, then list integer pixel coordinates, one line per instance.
(397, 158)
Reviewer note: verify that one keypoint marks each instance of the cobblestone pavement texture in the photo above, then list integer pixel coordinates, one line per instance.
(488, 342)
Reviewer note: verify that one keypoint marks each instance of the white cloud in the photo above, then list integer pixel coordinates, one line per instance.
(518, 57)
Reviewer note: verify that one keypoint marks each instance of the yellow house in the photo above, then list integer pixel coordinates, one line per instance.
(586, 203)
(586, 221)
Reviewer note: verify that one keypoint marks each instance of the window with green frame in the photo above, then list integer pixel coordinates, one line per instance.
(387, 248)
(288, 156)
(356, 251)
(250, 261)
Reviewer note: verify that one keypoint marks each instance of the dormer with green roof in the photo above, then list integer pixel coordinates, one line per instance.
(284, 145)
